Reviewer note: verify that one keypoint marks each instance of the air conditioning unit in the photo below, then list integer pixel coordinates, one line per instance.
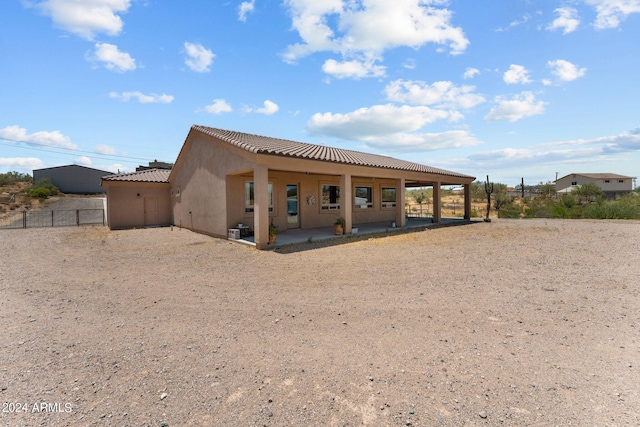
(234, 234)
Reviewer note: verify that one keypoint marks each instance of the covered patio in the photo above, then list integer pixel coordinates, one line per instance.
(299, 236)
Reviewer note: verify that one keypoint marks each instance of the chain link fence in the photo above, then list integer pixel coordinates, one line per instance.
(52, 218)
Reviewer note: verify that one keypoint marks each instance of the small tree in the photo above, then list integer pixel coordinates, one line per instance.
(546, 191)
(587, 193)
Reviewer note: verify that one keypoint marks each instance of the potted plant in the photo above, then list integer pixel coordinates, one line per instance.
(273, 232)
(339, 226)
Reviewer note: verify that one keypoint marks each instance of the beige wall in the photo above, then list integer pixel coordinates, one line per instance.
(126, 200)
(310, 215)
(198, 188)
(612, 185)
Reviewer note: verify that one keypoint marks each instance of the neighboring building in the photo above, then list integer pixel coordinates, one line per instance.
(222, 178)
(73, 179)
(138, 199)
(611, 184)
(155, 165)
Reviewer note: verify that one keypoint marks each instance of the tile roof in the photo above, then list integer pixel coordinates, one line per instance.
(281, 147)
(149, 175)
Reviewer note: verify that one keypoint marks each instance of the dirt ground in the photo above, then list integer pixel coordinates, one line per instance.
(514, 322)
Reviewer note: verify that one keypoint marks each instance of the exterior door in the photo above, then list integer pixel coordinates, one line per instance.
(293, 213)
(150, 211)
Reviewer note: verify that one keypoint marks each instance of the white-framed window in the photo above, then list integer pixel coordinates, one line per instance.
(249, 197)
(574, 182)
(388, 197)
(363, 197)
(621, 181)
(607, 181)
(330, 196)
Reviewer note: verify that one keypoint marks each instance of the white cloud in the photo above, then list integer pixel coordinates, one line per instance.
(87, 17)
(365, 29)
(442, 94)
(565, 70)
(470, 73)
(21, 163)
(353, 69)
(516, 108)
(268, 108)
(516, 23)
(219, 106)
(245, 8)
(567, 20)
(596, 149)
(117, 168)
(409, 64)
(624, 142)
(516, 74)
(83, 160)
(392, 128)
(112, 58)
(43, 138)
(105, 149)
(377, 121)
(199, 58)
(142, 98)
(611, 12)
(417, 142)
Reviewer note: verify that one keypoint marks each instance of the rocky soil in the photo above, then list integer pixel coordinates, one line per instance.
(514, 322)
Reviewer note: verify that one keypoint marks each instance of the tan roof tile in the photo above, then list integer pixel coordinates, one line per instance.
(150, 175)
(282, 147)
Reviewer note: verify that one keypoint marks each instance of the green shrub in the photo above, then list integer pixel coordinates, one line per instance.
(43, 188)
(627, 207)
(39, 192)
(11, 178)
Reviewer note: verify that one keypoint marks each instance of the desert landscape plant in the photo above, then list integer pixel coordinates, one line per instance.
(43, 188)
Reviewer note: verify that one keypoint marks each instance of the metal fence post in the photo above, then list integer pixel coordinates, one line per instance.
(78, 217)
(52, 218)
(24, 218)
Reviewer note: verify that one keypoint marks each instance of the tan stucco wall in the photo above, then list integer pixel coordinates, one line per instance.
(310, 215)
(198, 188)
(125, 209)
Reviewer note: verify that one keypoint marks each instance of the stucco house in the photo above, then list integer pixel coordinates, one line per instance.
(73, 179)
(222, 178)
(611, 184)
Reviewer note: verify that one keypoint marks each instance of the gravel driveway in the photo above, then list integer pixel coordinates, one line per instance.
(514, 322)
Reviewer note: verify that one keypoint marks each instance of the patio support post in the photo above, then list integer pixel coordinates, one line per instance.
(400, 201)
(261, 205)
(467, 201)
(346, 199)
(437, 214)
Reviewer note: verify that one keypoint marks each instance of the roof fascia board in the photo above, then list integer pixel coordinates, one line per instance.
(320, 167)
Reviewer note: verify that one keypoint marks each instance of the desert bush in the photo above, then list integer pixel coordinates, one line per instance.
(627, 207)
(39, 192)
(10, 178)
(43, 188)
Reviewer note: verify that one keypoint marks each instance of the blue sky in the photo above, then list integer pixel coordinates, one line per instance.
(506, 88)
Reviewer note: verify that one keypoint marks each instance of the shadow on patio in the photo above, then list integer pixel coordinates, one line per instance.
(295, 240)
